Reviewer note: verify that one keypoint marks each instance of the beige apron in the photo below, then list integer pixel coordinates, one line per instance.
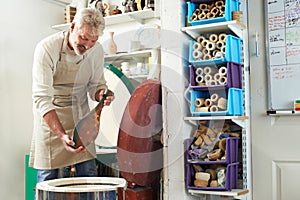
(49, 152)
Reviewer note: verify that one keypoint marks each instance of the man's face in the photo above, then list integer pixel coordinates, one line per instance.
(81, 40)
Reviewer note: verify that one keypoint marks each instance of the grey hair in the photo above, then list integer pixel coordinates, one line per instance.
(92, 17)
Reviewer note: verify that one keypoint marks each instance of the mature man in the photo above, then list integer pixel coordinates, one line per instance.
(67, 67)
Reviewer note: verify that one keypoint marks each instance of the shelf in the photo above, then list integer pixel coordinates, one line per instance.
(232, 193)
(140, 76)
(61, 27)
(128, 56)
(234, 26)
(239, 120)
(138, 16)
(217, 118)
(60, 2)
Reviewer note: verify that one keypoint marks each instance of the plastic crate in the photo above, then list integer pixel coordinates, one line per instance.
(232, 52)
(234, 98)
(231, 152)
(230, 5)
(230, 179)
(233, 77)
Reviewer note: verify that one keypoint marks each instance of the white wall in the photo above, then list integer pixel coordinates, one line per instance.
(23, 24)
(274, 139)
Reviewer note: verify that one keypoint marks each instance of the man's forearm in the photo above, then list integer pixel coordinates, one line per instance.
(53, 122)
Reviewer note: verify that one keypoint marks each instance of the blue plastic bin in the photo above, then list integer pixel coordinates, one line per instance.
(230, 5)
(234, 98)
(232, 52)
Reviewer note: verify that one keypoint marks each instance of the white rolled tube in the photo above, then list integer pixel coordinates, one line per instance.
(219, 3)
(197, 46)
(206, 56)
(210, 15)
(214, 98)
(218, 54)
(210, 70)
(213, 38)
(223, 49)
(202, 16)
(199, 79)
(199, 71)
(214, 108)
(194, 17)
(213, 82)
(205, 51)
(202, 109)
(207, 78)
(223, 71)
(222, 80)
(200, 39)
(199, 102)
(207, 103)
(207, 70)
(210, 46)
(215, 10)
(197, 54)
(222, 37)
(217, 76)
(220, 44)
(202, 6)
(204, 42)
(222, 103)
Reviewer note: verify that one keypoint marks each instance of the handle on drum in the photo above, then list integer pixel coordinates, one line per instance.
(187, 94)
(124, 190)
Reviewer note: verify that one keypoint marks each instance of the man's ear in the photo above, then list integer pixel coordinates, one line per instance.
(72, 26)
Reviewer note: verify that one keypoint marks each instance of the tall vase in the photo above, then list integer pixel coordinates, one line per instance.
(112, 46)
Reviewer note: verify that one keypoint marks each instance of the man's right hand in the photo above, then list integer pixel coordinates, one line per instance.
(69, 145)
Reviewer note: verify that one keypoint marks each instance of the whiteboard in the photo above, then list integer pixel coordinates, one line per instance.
(283, 53)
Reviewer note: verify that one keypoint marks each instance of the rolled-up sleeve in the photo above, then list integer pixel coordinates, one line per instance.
(97, 80)
(42, 83)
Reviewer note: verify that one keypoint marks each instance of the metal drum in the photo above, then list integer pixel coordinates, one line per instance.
(80, 188)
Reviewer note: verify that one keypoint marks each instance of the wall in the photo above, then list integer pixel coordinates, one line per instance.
(23, 24)
(274, 139)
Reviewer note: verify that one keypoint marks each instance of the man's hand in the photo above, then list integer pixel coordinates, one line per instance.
(109, 98)
(69, 145)
(52, 120)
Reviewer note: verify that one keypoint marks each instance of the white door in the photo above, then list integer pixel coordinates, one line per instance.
(275, 140)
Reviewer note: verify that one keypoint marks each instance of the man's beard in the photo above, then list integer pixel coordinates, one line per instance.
(79, 49)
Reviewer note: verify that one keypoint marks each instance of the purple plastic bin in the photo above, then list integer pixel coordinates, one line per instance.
(231, 152)
(233, 76)
(230, 182)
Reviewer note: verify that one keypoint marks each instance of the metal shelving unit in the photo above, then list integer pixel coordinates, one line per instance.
(240, 30)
